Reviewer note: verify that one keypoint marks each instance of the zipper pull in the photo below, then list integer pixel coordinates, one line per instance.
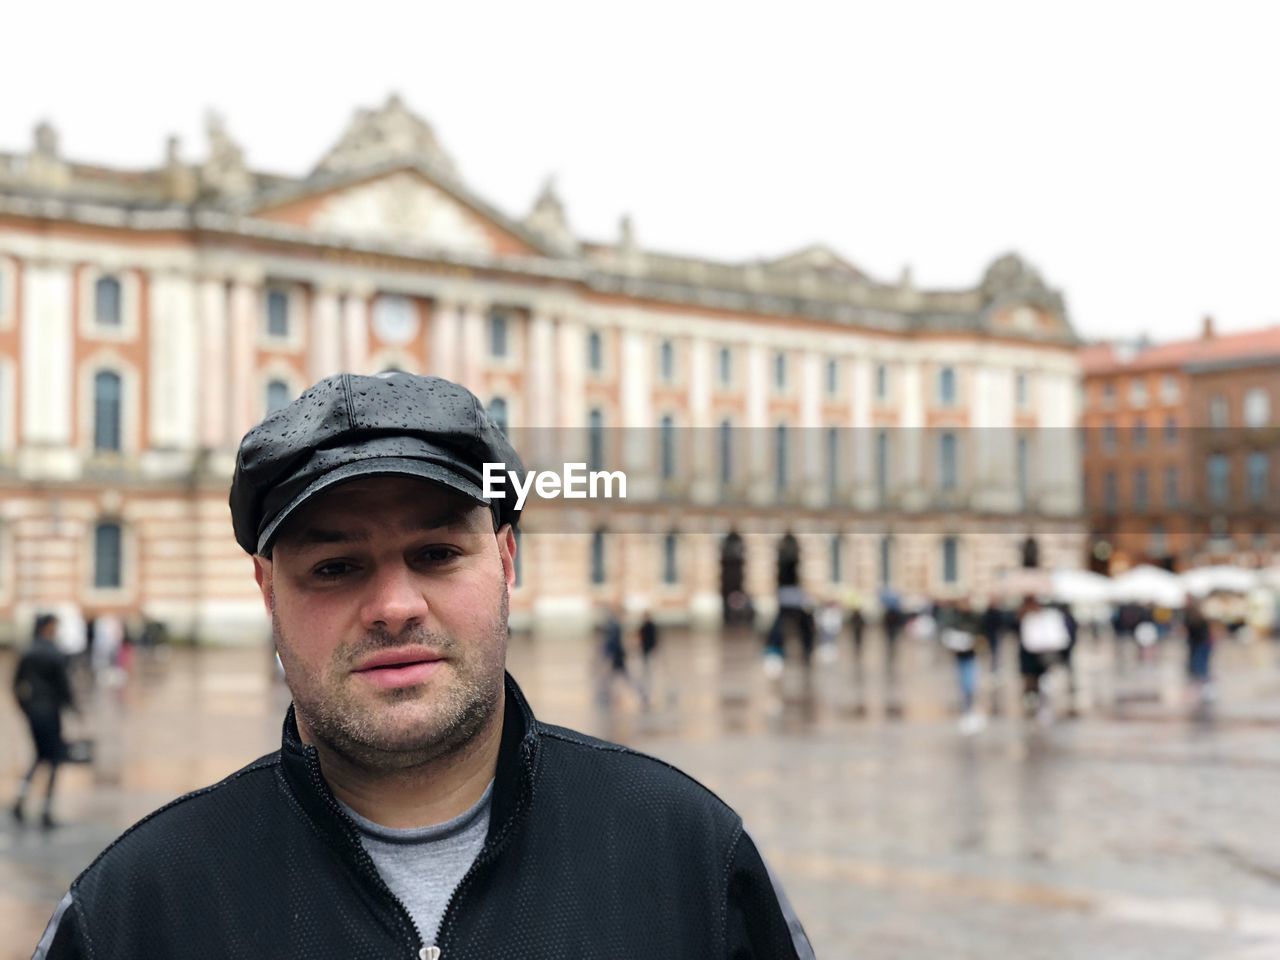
(429, 953)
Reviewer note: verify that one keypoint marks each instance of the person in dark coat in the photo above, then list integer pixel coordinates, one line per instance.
(43, 690)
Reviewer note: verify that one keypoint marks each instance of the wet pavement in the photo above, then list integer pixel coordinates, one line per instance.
(1139, 828)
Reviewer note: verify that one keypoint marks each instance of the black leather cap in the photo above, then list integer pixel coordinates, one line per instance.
(349, 426)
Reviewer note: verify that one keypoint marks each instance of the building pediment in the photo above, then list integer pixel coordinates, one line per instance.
(399, 203)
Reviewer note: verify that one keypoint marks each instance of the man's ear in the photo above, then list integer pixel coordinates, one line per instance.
(262, 572)
(507, 552)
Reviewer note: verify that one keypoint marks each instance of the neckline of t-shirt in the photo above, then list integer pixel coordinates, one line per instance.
(435, 831)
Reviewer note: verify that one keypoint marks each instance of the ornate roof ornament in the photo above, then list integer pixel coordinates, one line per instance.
(1011, 276)
(224, 172)
(45, 167)
(547, 219)
(630, 257)
(393, 132)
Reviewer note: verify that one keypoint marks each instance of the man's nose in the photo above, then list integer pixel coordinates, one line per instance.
(396, 599)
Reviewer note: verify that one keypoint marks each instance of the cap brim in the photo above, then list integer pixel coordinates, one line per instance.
(371, 467)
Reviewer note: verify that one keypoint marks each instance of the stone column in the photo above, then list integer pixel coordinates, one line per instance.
(912, 438)
(245, 323)
(474, 346)
(540, 390)
(324, 356)
(211, 307)
(863, 435)
(47, 362)
(355, 331)
(444, 339)
(176, 361)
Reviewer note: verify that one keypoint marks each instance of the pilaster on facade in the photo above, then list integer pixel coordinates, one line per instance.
(324, 336)
(47, 347)
(175, 361)
(571, 401)
(213, 372)
(445, 338)
(473, 348)
(242, 342)
(355, 329)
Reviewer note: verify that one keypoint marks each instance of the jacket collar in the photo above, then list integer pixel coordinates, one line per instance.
(512, 787)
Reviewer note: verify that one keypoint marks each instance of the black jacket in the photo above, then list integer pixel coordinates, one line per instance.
(40, 683)
(593, 851)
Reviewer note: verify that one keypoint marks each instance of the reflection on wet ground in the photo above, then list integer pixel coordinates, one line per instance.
(1140, 828)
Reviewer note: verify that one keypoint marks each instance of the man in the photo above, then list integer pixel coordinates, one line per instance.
(43, 691)
(416, 807)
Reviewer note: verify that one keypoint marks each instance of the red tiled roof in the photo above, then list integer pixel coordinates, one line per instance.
(1104, 358)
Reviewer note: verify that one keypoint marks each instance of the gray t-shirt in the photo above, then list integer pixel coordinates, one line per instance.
(423, 865)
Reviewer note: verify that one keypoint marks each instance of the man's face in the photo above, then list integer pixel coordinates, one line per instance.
(388, 602)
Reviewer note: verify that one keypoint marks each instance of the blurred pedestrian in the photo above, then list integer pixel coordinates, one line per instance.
(1042, 637)
(957, 629)
(829, 621)
(614, 654)
(648, 636)
(1199, 648)
(992, 625)
(43, 690)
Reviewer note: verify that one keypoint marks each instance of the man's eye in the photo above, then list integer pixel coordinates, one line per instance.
(331, 569)
(437, 556)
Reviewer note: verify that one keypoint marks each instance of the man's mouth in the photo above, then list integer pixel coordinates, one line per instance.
(399, 667)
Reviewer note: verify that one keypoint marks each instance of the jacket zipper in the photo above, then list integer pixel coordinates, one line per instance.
(487, 854)
(423, 952)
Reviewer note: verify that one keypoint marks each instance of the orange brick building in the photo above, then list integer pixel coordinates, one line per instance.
(1180, 449)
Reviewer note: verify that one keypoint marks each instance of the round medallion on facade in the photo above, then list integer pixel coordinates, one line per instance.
(395, 320)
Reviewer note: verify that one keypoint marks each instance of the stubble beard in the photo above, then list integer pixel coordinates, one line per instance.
(387, 735)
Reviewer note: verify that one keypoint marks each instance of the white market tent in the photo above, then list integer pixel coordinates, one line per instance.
(1203, 581)
(1082, 587)
(1148, 584)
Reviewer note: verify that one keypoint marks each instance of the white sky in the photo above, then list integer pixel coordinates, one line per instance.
(1130, 150)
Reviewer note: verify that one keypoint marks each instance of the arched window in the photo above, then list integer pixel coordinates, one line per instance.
(780, 454)
(947, 387)
(1219, 469)
(107, 402)
(498, 413)
(883, 473)
(497, 333)
(670, 550)
(837, 558)
(950, 560)
(833, 377)
(667, 361)
(948, 462)
(726, 366)
(886, 560)
(1259, 470)
(780, 371)
(277, 313)
(106, 302)
(1024, 469)
(595, 352)
(833, 462)
(278, 396)
(726, 452)
(597, 558)
(1257, 407)
(668, 447)
(595, 439)
(882, 382)
(108, 555)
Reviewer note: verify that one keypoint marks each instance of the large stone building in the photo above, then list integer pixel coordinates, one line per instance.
(1182, 453)
(149, 317)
